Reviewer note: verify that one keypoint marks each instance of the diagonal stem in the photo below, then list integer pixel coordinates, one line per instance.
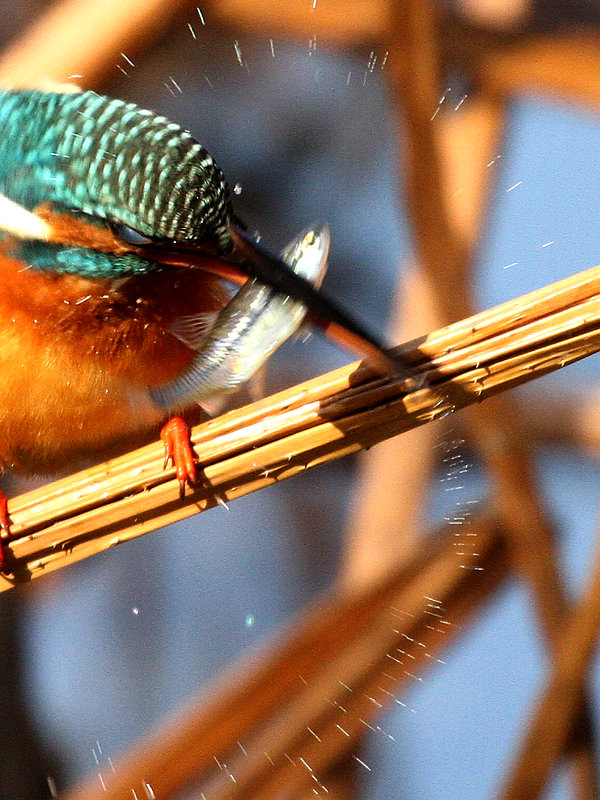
(555, 719)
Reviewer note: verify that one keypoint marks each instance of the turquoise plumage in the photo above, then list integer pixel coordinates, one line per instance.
(112, 160)
(109, 161)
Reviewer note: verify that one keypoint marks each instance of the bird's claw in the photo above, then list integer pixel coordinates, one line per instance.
(175, 436)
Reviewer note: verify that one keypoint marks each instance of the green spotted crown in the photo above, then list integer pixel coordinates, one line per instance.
(113, 161)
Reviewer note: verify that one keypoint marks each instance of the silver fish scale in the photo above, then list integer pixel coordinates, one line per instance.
(248, 330)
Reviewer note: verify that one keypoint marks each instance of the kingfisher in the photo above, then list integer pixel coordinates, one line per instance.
(115, 224)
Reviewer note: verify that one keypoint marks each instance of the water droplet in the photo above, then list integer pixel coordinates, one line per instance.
(135, 610)
(249, 621)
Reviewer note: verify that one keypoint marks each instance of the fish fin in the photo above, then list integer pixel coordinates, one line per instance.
(257, 384)
(193, 329)
(213, 407)
(303, 334)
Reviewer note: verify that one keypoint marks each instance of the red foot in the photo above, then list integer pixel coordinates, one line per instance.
(4, 529)
(175, 435)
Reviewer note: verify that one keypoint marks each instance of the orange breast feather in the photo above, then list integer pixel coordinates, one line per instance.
(77, 357)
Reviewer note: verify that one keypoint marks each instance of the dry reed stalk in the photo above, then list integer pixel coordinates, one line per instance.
(386, 516)
(385, 521)
(82, 37)
(416, 78)
(333, 415)
(288, 700)
(387, 512)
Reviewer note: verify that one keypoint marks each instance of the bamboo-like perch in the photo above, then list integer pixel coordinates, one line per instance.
(315, 422)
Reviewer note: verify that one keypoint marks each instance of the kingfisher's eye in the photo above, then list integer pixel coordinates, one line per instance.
(130, 235)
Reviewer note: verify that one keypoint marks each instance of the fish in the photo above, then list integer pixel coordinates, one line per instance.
(246, 332)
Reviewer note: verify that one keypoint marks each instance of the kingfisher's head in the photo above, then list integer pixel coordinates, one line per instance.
(127, 191)
(111, 163)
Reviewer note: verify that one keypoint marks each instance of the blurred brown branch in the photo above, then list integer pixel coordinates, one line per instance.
(554, 717)
(445, 241)
(305, 700)
(83, 37)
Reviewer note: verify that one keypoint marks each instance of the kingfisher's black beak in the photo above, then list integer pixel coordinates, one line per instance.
(257, 262)
(249, 259)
